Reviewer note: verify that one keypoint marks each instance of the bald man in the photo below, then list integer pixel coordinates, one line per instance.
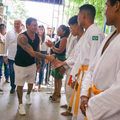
(11, 45)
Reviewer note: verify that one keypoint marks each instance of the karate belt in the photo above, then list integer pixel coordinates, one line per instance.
(77, 88)
(95, 91)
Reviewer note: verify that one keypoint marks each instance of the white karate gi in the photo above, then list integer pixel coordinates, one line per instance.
(74, 53)
(70, 62)
(104, 73)
(71, 43)
(88, 49)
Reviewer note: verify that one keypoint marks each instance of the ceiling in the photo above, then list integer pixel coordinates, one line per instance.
(47, 1)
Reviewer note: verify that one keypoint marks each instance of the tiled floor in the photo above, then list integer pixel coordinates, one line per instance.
(41, 108)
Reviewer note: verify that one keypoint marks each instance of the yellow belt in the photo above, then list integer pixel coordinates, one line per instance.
(81, 71)
(95, 90)
(82, 68)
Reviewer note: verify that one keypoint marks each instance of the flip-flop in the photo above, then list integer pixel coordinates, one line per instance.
(66, 113)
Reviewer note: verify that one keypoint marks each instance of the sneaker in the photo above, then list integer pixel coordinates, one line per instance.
(28, 100)
(21, 109)
(12, 91)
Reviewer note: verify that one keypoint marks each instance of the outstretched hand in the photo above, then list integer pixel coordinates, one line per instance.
(50, 58)
(55, 63)
(49, 43)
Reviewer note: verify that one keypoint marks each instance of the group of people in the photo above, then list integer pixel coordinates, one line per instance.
(28, 56)
(25, 54)
(89, 38)
(90, 62)
(93, 66)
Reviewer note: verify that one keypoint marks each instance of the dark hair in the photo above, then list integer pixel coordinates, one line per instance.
(30, 20)
(43, 36)
(112, 2)
(73, 20)
(66, 30)
(90, 9)
(2, 26)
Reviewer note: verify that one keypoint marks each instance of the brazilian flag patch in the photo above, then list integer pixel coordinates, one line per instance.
(95, 38)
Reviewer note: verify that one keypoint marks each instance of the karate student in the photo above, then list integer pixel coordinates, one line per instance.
(103, 76)
(92, 38)
(72, 41)
(91, 41)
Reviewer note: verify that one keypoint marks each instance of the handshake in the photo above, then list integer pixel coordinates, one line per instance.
(55, 63)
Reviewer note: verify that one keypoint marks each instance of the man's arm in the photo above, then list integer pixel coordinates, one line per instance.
(23, 42)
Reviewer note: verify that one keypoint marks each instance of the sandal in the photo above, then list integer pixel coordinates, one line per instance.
(66, 113)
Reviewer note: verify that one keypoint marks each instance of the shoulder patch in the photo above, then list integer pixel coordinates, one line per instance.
(94, 37)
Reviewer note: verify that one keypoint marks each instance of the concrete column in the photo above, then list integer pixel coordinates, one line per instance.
(1, 12)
